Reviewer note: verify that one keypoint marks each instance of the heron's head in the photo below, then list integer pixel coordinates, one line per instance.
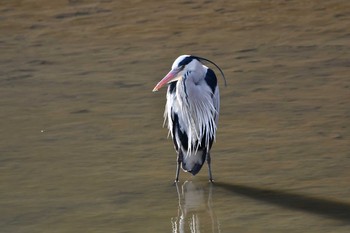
(181, 65)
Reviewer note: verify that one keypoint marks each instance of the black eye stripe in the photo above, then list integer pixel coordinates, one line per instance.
(185, 61)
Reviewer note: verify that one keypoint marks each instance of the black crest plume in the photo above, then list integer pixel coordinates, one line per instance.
(204, 59)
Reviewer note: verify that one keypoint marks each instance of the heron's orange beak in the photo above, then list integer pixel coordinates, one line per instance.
(170, 77)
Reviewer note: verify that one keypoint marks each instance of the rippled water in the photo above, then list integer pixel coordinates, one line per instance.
(81, 144)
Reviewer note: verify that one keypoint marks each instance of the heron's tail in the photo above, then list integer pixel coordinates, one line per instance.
(193, 162)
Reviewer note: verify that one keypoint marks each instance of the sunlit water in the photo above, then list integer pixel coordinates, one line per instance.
(81, 144)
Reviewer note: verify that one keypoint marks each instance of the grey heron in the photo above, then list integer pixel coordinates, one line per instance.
(192, 111)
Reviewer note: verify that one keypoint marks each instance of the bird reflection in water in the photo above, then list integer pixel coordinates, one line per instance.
(195, 211)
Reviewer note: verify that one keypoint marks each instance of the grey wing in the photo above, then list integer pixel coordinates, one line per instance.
(216, 103)
(212, 82)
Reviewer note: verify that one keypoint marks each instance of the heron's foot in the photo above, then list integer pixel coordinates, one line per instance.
(211, 180)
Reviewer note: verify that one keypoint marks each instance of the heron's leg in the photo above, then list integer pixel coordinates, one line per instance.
(179, 161)
(209, 167)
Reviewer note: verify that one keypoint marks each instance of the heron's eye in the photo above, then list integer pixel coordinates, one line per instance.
(182, 67)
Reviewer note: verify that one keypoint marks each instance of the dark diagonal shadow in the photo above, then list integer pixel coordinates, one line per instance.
(315, 205)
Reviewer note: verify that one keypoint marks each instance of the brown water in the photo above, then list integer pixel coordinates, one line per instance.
(81, 144)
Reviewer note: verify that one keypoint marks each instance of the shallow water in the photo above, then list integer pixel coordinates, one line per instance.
(81, 143)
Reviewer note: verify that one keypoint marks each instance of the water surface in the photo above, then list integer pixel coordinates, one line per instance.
(81, 144)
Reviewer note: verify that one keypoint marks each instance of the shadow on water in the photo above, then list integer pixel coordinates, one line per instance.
(195, 211)
(329, 208)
